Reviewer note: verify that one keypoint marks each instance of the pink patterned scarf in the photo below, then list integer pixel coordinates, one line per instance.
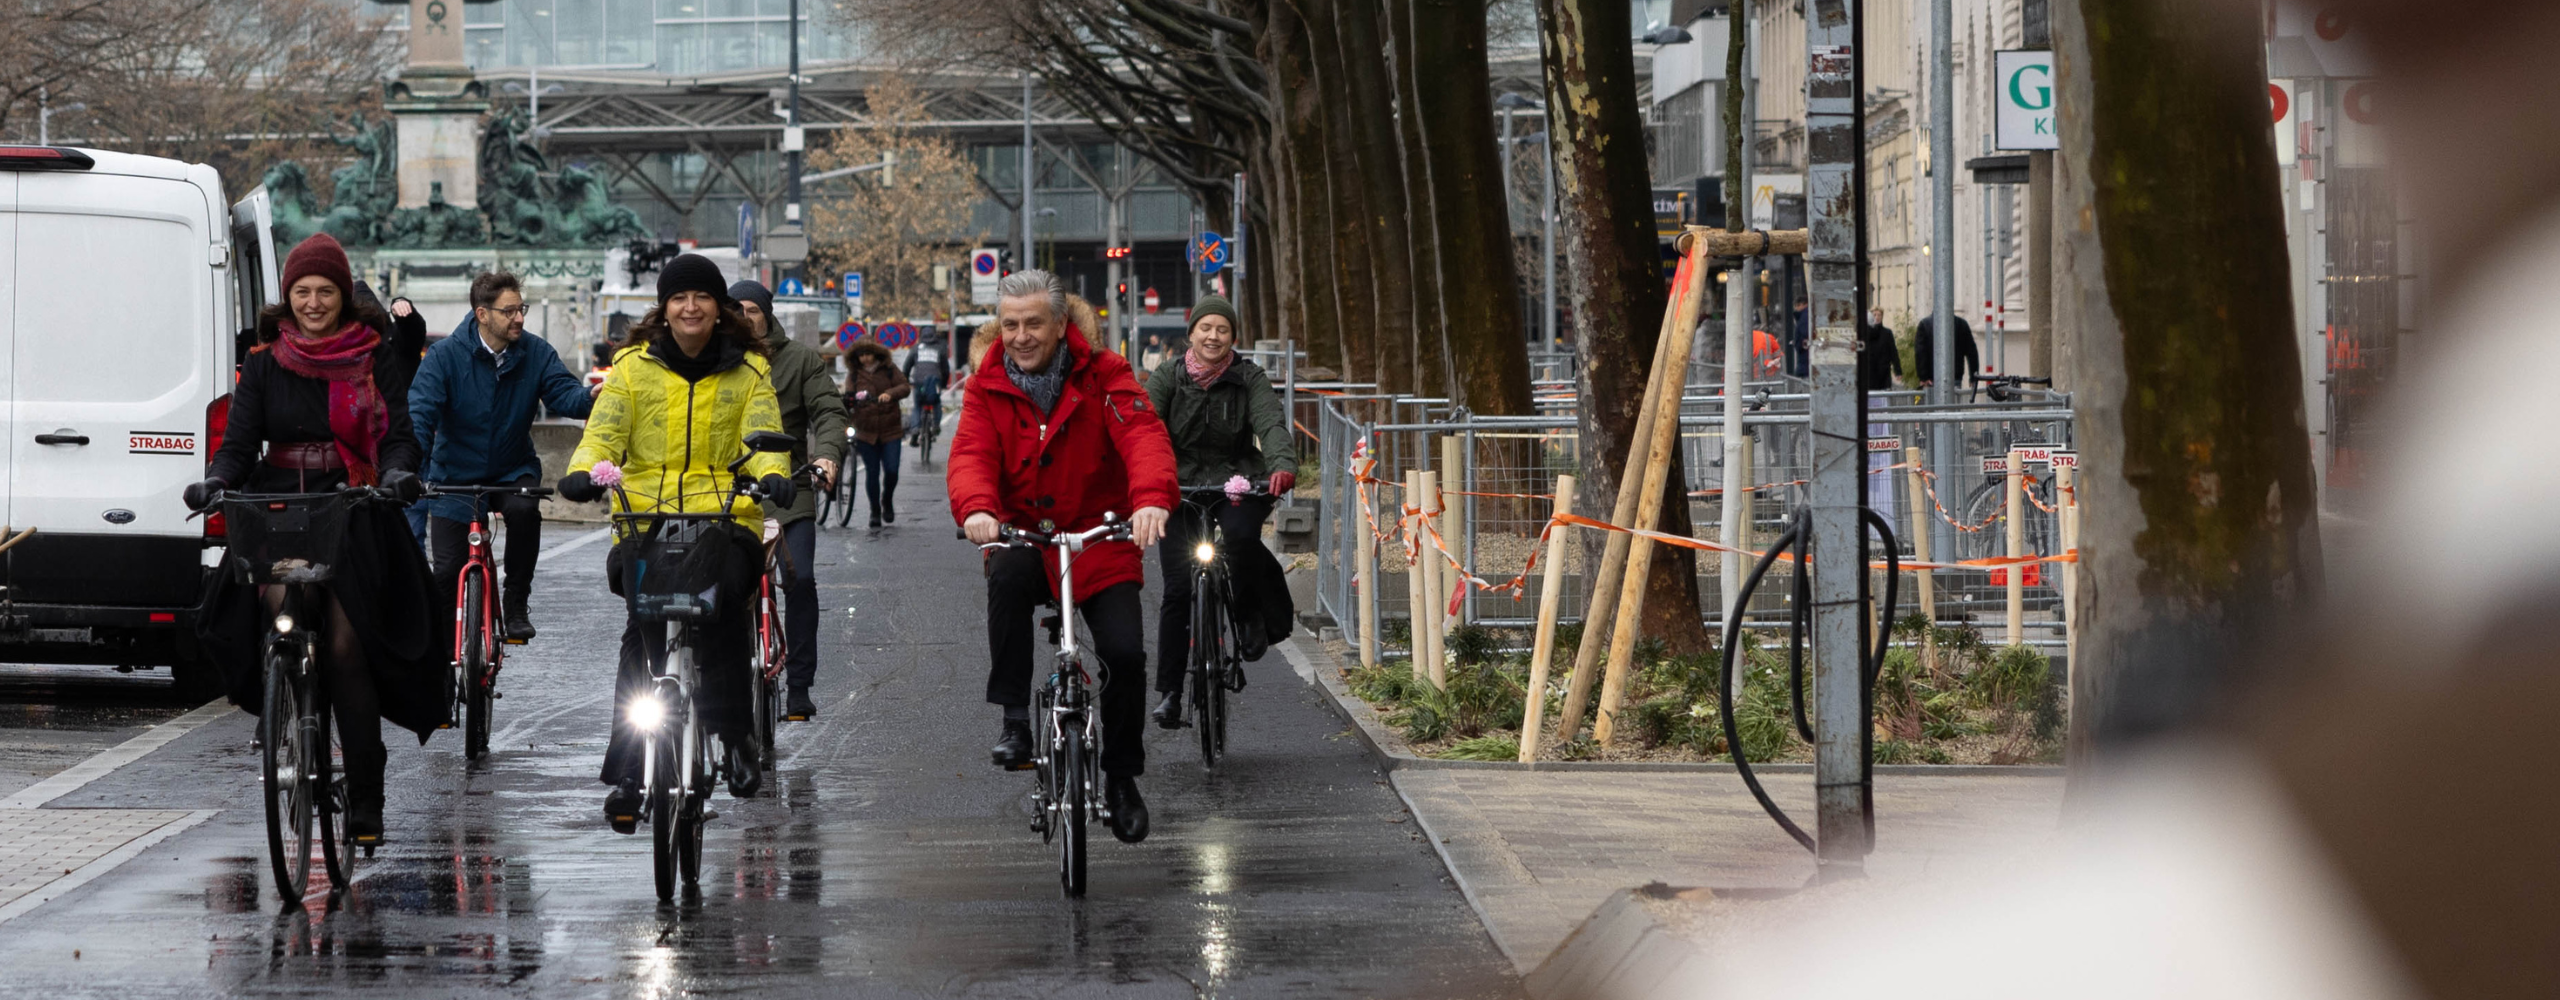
(358, 418)
(1204, 373)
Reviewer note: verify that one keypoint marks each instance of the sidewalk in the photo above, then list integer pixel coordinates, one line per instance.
(1538, 851)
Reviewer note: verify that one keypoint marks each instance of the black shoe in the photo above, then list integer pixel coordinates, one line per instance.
(1169, 711)
(745, 778)
(1013, 749)
(1235, 677)
(364, 822)
(622, 807)
(519, 625)
(888, 514)
(799, 708)
(875, 517)
(1250, 645)
(1128, 811)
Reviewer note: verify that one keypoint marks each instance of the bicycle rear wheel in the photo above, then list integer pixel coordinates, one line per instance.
(1072, 807)
(285, 764)
(766, 679)
(475, 666)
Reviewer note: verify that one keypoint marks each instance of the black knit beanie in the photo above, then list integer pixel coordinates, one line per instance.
(693, 272)
(751, 291)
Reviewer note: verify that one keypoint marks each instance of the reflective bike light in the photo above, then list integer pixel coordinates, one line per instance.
(475, 538)
(647, 712)
(284, 623)
(1206, 553)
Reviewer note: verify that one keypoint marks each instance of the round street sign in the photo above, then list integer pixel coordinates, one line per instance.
(1153, 302)
(848, 333)
(1208, 253)
(983, 262)
(2277, 100)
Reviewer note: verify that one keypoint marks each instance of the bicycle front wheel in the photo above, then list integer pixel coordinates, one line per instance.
(665, 807)
(1072, 808)
(1208, 657)
(285, 765)
(475, 666)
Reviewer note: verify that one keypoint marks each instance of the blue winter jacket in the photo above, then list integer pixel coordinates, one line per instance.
(474, 413)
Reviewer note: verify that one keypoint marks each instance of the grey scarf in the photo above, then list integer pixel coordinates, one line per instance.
(1044, 387)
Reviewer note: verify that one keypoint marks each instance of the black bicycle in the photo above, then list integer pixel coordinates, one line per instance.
(671, 577)
(294, 541)
(1069, 734)
(1216, 668)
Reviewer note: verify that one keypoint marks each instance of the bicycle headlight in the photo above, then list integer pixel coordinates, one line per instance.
(647, 712)
(1206, 553)
(284, 624)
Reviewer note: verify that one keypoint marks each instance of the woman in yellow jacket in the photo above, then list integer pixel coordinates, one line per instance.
(673, 414)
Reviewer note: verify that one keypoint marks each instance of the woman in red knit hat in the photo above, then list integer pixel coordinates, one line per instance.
(321, 404)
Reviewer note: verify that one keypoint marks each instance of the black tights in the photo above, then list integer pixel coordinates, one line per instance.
(352, 697)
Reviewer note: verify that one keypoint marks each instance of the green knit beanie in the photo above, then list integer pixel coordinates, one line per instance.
(1213, 305)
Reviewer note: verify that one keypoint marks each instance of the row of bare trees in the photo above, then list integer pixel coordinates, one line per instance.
(239, 84)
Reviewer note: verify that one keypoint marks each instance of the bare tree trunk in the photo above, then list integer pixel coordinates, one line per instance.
(1354, 259)
(1310, 223)
(1613, 263)
(1421, 373)
(1372, 135)
(1486, 356)
(2203, 530)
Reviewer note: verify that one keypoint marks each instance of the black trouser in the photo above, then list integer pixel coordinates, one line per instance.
(798, 572)
(722, 646)
(1253, 577)
(353, 698)
(1115, 621)
(450, 547)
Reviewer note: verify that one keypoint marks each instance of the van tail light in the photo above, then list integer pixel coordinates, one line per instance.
(217, 417)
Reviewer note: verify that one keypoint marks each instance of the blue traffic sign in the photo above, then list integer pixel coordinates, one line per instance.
(847, 334)
(1208, 253)
(853, 284)
(792, 286)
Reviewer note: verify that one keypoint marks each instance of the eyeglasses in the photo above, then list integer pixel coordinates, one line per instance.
(511, 312)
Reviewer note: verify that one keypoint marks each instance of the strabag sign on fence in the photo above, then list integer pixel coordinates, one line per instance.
(2024, 96)
(1889, 445)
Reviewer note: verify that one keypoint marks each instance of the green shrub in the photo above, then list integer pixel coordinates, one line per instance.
(1425, 714)
(1660, 721)
(1382, 684)
(1483, 696)
(1762, 718)
(1397, 632)
(1900, 752)
(1483, 748)
(1578, 748)
(2014, 675)
(1474, 644)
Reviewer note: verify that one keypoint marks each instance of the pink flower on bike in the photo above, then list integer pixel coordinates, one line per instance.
(605, 474)
(1237, 487)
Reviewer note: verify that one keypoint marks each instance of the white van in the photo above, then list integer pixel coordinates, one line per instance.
(120, 298)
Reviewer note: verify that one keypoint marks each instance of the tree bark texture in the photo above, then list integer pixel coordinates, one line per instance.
(1310, 223)
(1486, 357)
(1613, 279)
(1372, 135)
(1421, 373)
(1355, 273)
(2195, 461)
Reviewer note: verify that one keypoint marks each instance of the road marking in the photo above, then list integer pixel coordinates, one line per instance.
(106, 761)
(1297, 660)
(574, 544)
(53, 889)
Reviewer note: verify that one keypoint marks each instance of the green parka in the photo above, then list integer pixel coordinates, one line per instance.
(804, 384)
(1216, 430)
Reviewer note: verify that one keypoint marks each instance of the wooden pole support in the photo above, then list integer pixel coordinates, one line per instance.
(1921, 512)
(1416, 602)
(1657, 473)
(2067, 501)
(1367, 567)
(2016, 513)
(1543, 648)
(1434, 595)
(1453, 514)
(1749, 243)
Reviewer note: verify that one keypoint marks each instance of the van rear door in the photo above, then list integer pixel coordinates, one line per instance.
(117, 276)
(8, 337)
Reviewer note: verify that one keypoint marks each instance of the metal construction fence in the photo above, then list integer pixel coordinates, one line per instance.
(1497, 475)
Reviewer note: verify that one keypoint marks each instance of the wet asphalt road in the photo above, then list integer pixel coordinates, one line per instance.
(890, 861)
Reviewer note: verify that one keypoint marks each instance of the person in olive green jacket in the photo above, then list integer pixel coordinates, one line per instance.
(804, 383)
(1226, 421)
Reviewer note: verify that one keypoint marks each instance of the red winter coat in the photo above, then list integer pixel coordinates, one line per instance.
(1103, 450)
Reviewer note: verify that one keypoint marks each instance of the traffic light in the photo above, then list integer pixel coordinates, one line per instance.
(1122, 291)
(1115, 253)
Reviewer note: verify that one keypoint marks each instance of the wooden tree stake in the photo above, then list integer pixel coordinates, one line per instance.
(1543, 648)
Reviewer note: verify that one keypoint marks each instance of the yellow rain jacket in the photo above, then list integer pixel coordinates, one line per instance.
(674, 439)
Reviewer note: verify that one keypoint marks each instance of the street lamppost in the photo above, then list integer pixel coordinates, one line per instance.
(44, 115)
(1509, 102)
(1547, 237)
(533, 90)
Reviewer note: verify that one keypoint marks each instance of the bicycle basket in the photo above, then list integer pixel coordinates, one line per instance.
(672, 571)
(287, 541)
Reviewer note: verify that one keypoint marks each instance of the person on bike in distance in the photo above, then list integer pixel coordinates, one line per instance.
(805, 387)
(1053, 435)
(927, 368)
(322, 404)
(1225, 420)
(675, 411)
(473, 403)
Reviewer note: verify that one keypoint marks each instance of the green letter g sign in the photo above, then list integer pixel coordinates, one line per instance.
(2042, 92)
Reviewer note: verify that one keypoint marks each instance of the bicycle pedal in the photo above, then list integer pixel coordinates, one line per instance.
(710, 814)
(514, 642)
(1022, 767)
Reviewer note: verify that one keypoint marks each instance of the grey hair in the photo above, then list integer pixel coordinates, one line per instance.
(1028, 283)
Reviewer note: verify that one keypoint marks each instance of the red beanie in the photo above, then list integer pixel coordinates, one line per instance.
(321, 255)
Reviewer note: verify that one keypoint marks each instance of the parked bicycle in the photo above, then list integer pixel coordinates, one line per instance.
(479, 640)
(1216, 668)
(669, 579)
(1067, 720)
(293, 541)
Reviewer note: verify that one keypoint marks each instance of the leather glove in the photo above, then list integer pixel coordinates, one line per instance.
(198, 494)
(779, 490)
(1282, 481)
(404, 484)
(580, 487)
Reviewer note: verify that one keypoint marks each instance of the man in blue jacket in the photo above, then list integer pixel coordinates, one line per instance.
(472, 405)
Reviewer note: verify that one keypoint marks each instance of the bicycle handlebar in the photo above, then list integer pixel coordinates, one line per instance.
(217, 497)
(439, 489)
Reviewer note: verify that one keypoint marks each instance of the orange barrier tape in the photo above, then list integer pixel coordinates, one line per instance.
(1719, 491)
(1704, 545)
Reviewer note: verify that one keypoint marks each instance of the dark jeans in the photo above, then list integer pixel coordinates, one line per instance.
(879, 470)
(722, 644)
(1017, 590)
(1259, 593)
(798, 575)
(450, 548)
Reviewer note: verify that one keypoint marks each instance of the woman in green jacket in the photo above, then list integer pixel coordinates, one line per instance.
(1226, 421)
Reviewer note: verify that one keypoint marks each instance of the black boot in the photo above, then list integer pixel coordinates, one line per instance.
(889, 505)
(875, 513)
(1013, 748)
(518, 624)
(745, 778)
(364, 795)
(1128, 811)
(622, 807)
(1169, 711)
(799, 708)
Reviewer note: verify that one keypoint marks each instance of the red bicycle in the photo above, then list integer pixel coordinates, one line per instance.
(766, 661)
(479, 644)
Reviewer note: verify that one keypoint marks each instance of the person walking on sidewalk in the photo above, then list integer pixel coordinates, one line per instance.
(872, 393)
(473, 405)
(1226, 421)
(1924, 348)
(1055, 434)
(804, 385)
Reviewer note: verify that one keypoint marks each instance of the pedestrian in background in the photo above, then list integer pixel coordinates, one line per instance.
(1924, 355)
(1879, 357)
(871, 394)
(804, 386)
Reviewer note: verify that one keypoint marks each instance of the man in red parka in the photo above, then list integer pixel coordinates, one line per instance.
(1054, 435)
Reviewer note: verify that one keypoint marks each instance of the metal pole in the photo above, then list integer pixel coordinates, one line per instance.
(793, 170)
(1839, 449)
(1735, 521)
(1022, 249)
(1940, 364)
(1547, 242)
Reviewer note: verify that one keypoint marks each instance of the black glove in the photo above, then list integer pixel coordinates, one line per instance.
(199, 494)
(780, 490)
(580, 487)
(403, 484)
